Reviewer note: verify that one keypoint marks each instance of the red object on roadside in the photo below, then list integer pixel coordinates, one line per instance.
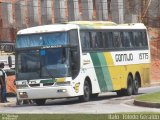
(11, 88)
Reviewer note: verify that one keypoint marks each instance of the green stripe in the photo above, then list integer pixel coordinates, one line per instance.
(98, 70)
(102, 71)
(105, 70)
(48, 81)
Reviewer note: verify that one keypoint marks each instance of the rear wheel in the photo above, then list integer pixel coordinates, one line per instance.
(129, 89)
(87, 92)
(135, 85)
(40, 101)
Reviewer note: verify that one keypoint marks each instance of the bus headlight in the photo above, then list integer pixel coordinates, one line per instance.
(23, 95)
(61, 90)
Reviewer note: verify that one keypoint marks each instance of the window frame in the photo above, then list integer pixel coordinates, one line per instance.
(121, 48)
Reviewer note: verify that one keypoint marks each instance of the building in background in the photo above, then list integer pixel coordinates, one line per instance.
(20, 14)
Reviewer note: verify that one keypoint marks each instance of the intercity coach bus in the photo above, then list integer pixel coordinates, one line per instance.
(81, 59)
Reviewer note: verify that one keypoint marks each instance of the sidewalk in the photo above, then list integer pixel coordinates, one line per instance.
(12, 102)
(155, 83)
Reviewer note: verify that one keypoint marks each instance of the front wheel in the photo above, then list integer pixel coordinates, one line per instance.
(87, 92)
(40, 101)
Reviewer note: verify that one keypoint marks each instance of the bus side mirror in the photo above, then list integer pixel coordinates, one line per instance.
(10, 61)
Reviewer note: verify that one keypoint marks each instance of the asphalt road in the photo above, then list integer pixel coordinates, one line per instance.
(105, 103)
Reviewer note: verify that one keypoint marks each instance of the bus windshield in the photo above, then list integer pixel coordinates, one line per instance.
(35, 64)
(45, 55)
(38, 40)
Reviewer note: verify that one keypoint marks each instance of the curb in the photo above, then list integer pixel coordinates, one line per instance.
(155, 83)
(12, 102)
(7, 104)
(146, 104)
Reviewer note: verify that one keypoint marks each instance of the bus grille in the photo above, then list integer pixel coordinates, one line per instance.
(44, 84)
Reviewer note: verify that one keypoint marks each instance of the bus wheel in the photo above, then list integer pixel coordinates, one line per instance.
(40, 101)
(87, 92)
(129, 89)
(135, 85)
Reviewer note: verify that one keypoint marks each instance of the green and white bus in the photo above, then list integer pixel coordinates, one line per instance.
(81, 59)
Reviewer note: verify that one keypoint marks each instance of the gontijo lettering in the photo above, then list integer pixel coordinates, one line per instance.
(124, 57)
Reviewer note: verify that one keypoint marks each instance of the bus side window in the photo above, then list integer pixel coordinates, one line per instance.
(108, 40)
(85, 40)
(131, 39)
(144, 39)
(140, 39)
(117, 40)
(99, 40)
(137, 39)
(126, 39)
(93, 39)
(73, 37)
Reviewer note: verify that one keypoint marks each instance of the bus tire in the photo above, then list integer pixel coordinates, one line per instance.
(129, 89)
(135, 85)
(40, 101)
(87, 92)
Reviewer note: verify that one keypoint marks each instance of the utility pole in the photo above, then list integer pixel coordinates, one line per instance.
(144, 9)
(109, 10)
(0, 21)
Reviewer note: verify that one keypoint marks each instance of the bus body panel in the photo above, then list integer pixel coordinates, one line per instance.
(46, 92)
(112, 76)
(89, 71)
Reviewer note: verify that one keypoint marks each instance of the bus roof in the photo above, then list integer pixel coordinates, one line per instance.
(94, 23)
(107, 25)
(82, 25)
(47, 28)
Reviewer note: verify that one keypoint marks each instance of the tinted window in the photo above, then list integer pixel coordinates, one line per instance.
(99, 40)
(127, 39)
(85, 40)
(94, 39)
(138, 39)
(108, 40)
(144, 39)
(73, 34)
(117, 40)
(103, 40)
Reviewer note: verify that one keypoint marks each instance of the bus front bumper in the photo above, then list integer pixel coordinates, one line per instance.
(46, 92)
